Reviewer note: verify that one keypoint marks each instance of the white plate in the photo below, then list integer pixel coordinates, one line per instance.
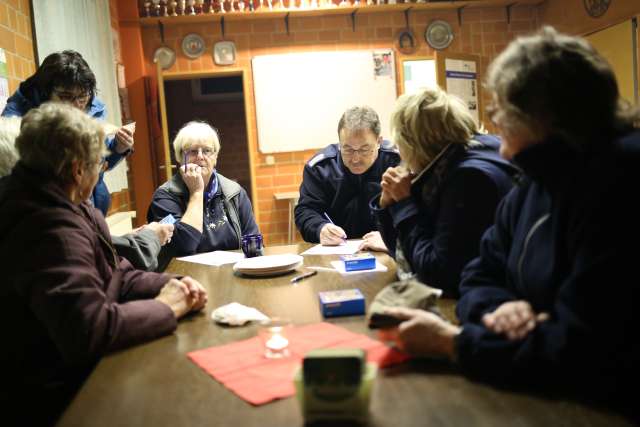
(267, 265)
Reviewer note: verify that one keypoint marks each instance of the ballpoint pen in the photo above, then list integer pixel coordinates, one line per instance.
(303, 276)
(329, 219)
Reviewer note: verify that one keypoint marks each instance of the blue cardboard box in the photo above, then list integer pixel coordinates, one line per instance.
(346, 302)
(362, 261)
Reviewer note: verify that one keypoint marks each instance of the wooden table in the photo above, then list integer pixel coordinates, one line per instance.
(157, 385)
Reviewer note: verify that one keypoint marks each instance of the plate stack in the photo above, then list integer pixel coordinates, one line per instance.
(269, 265)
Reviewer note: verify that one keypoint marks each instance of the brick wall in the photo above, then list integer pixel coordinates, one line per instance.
(484, 32)
(17, 41)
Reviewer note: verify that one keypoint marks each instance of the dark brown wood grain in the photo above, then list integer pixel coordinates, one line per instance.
(157, 385)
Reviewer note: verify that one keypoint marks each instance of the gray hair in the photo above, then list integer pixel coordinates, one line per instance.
(9, 131)
(195, 132)
(55, 135)
(424, 123)
(357, 119)
(541, 81)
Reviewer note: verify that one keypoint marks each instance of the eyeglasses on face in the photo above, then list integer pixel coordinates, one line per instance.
(362, 152)
(205, 151)
(66, 96)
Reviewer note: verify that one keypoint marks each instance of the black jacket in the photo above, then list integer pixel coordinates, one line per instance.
(441, 235)
(329, 187)
(565, 240)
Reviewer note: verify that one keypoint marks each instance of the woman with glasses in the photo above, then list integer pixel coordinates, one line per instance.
(552, 298)
(434, 208)
(211, 211)
(68, 298)
(66, 77)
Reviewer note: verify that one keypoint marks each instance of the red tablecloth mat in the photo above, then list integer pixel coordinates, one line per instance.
(243, 369)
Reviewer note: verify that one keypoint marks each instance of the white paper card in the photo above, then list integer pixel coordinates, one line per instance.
(349, 247)
(215, 258)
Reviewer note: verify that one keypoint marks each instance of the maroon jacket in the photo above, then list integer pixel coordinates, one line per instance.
(67, 298)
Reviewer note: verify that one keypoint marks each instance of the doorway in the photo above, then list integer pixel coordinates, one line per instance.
(218, 101)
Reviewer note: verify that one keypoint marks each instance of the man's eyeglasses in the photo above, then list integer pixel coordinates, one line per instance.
(65, 96)
(362, 152)
(206, 152)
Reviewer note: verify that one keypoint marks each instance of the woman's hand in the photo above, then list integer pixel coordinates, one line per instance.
(421, 333)
(197, 293)
(515, 319)
(373, 241)
(192, 177)
(396, 185)
(332, 235)
(176, 295)
(164, 232)
(124, 139)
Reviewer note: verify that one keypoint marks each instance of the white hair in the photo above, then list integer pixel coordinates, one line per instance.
(192, 133)
(9, 131)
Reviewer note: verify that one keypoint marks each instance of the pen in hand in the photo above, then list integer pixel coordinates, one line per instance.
(332, 223)
(303, 276)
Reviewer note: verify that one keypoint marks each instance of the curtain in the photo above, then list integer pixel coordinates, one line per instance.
(84, 26)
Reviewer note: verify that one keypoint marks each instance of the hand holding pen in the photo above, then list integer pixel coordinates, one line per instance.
(331, 234)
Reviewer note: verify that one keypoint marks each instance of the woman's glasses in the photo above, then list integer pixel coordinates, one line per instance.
(194, 152)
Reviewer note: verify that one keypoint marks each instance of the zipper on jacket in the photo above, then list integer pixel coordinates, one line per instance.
(532, 230)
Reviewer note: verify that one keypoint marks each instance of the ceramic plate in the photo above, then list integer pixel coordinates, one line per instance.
(192, 46)
(268, 265)
(439, 34)
(165, 57)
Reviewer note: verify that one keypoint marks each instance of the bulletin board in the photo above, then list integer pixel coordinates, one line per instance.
(459, 75)
(300, 97)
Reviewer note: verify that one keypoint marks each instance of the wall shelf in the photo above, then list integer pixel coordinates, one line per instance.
(329, 11)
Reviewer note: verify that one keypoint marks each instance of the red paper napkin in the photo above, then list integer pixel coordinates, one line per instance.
(243, 369)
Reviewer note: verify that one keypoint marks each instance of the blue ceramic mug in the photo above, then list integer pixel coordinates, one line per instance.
(252, 245)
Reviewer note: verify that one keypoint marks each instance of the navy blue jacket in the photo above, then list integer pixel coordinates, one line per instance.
(565, 240)
(439, 237)
(328, 186)
(227, 217)
(24, 99)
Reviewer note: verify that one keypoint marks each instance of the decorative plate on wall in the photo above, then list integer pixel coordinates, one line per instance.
(224, 53)
(192, 46)
(165, 56)
(439, 34)
(596, 8)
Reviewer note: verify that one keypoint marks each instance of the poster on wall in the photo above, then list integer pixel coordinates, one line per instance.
(4, 82)
(462, 81)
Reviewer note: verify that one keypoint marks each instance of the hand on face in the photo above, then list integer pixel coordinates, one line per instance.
(515, 319)
(373, 241)
(421, 333)
(192, 177)
(396, 185)
(332, 235)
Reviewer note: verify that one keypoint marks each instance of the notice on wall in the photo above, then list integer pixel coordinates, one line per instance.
(4, 82)
(462, 81)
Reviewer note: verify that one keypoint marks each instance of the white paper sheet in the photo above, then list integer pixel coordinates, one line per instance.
(215, 258)
(349, 247)
(339, 266)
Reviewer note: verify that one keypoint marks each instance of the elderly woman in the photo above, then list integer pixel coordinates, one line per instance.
(551, 297)
(212, 212)
(66, 77)
(432, 211)
(68, 297)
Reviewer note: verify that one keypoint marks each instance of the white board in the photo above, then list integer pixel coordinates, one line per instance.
(300, 97)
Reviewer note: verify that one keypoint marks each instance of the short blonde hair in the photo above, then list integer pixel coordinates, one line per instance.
(9, 131)
(193, 133)
(55, 135)
(424, 123)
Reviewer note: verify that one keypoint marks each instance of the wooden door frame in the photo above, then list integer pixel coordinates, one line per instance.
(189, 75)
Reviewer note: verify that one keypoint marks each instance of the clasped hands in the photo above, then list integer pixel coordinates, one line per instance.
(396, 185)
(422, 333)
(183, 296)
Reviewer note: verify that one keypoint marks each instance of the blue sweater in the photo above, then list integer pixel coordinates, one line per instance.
(565, 240)
(439, 237)
(20, 103)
